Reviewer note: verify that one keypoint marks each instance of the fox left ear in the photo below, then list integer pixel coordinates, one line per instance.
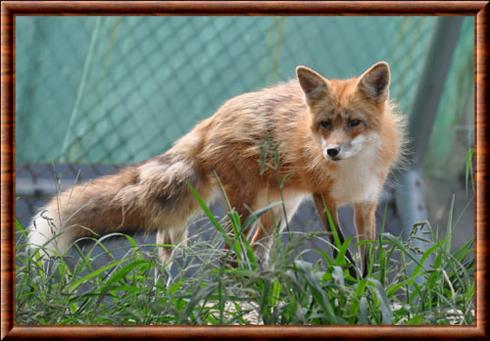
(314, 86)
(375, 82)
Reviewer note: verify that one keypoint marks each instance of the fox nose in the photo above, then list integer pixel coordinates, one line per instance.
(333, 151)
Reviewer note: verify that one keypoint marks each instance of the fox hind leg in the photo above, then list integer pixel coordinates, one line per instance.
(280, 216)
(168, 239)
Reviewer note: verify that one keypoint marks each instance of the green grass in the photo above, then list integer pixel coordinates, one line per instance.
(405, 285)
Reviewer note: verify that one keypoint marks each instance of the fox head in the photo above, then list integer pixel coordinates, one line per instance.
(346, 115)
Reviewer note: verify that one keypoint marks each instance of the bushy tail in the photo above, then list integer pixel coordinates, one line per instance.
(86, 209)
(152, 196)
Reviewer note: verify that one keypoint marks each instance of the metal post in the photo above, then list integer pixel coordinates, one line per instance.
(410, 199)
(431, 86)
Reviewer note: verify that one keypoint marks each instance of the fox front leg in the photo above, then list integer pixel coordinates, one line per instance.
(322, 203)
(365, 220)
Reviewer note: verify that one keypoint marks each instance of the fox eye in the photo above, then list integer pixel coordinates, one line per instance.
(353, 123)
(326, 124)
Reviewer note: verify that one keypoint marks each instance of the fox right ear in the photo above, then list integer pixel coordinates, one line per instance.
(375, 82)
(313, 84)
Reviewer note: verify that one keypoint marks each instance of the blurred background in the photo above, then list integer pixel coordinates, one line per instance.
(97, 93)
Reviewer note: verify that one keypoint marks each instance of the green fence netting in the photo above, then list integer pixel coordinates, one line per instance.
(117, 90)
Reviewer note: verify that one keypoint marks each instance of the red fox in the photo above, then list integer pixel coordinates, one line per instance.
(336, 140)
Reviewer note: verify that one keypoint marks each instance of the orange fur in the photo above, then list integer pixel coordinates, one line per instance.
(251, 143)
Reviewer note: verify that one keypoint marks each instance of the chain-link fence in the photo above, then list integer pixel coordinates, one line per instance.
(97, 92)
(118, 90)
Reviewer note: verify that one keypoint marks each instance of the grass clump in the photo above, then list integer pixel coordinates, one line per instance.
(405, 284)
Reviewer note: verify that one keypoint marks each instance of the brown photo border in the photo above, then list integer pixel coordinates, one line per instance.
(11, 9)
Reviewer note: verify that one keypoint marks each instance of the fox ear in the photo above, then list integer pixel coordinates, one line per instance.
(313, 84)
(375, 82)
